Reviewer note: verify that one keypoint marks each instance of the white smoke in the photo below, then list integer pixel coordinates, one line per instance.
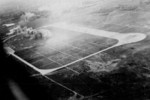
(69, 10)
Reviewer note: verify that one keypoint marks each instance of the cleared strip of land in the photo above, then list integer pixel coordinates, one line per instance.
(122, 39)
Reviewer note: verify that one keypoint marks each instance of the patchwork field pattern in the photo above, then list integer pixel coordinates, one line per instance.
(54, 53)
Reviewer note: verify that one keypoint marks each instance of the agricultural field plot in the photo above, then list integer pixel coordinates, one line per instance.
(86, 75)
(80, 83)
(93, 74)
(62, 48)
(73, 81)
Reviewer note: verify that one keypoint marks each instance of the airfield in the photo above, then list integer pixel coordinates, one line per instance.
(70, 51)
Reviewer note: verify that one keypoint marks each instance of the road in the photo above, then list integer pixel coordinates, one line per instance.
(122, 40)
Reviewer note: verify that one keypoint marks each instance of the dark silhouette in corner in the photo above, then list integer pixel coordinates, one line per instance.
(12, 70)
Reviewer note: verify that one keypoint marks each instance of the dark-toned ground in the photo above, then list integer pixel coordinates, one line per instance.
(121, 73)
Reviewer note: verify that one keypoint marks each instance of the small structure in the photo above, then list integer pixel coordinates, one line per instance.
(9, 25)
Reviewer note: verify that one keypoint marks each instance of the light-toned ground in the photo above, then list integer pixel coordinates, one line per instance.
(122, 40)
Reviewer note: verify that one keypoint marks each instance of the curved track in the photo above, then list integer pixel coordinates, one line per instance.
(122, 40)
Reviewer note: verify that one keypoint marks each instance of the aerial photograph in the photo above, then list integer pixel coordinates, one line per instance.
(75, 49)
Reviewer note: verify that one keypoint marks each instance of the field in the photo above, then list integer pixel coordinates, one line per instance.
(85, 73)
(92, 53)
(54, 52)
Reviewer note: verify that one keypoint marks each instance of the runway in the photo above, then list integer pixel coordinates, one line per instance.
(122, 40)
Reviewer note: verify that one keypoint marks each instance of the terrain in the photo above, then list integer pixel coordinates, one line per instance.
(111, 72)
